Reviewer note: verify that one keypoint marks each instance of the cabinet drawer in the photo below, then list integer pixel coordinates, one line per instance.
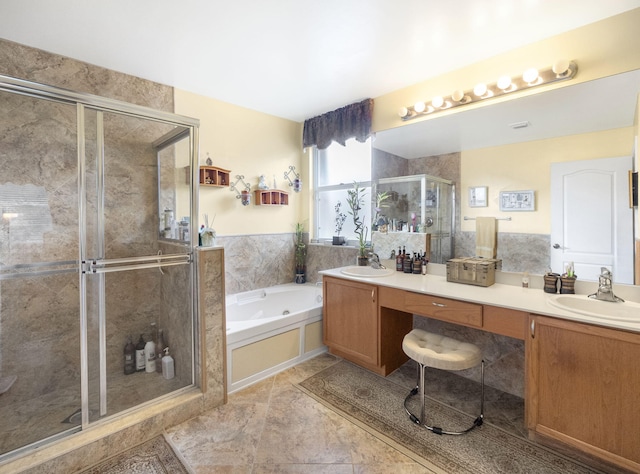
(444, 309)
(508, 322)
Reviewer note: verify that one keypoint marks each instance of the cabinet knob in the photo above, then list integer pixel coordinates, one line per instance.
(439, 305)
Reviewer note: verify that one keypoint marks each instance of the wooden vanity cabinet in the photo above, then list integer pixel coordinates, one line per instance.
(583, 388)
(354, 328)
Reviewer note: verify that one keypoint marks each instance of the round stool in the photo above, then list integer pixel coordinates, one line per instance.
(445, 353)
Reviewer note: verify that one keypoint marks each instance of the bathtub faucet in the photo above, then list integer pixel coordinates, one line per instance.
(374, 260)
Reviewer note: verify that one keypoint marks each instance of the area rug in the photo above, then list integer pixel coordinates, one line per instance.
(153, 457)
(376, 404)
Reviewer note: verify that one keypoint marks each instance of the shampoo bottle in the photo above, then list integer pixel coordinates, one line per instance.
(150, 355)
(168, 370)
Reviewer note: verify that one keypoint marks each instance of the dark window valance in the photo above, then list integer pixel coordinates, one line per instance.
(351, 121)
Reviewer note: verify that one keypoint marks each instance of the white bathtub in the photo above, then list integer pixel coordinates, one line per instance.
(271, 329)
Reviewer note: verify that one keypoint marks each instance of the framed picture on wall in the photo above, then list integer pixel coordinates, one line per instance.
(478, 196)
(517, 201)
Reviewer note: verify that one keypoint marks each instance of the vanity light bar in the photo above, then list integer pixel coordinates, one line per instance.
(561, 70)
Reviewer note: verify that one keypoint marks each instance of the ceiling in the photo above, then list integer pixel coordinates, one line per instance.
(291, 58)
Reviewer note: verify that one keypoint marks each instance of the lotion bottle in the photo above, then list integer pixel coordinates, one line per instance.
(168, 370)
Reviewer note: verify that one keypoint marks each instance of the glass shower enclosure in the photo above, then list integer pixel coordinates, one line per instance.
(417, 213)
(87, 261)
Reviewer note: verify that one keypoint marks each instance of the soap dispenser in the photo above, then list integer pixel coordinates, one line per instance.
(168, 370)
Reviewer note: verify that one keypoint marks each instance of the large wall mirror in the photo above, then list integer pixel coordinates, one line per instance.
(510, 145)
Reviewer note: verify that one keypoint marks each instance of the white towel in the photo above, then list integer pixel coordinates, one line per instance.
(486, 237)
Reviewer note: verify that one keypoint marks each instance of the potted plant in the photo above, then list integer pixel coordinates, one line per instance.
(300, 254)
(379, 221)
(355, 199)
(340, 218)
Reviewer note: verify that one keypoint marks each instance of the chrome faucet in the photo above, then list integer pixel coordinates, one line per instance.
(605, 287)
(374, 260)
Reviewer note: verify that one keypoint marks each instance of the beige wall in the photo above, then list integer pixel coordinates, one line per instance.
(524, 166)
(248, 143)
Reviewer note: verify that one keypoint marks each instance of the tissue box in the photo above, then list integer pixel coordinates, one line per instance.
(473, 270)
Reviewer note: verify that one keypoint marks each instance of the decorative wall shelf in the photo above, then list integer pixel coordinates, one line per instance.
(271, 197)
(214, 176)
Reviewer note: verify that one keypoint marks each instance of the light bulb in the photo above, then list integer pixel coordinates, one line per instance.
(480, 89)
(457, 96)
(530, 75)
(504, 83)
(437, 102)
(419, 107)
(403, 112)
(561, 67)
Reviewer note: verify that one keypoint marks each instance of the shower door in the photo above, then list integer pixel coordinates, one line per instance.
(85, 260)
(136, 277)
(39, 297)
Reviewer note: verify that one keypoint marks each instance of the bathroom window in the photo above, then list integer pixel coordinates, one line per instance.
(336, 169)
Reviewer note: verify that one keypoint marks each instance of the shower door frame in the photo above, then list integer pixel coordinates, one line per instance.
(84, 101)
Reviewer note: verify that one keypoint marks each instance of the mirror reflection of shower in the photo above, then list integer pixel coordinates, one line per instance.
(416, 212)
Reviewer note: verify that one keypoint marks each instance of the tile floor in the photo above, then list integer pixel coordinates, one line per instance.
(273, 427)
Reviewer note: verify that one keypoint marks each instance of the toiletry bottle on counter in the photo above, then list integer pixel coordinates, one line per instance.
(129, 357)
(140, 362)
(408, 263)
(168, 369)
(399, 260)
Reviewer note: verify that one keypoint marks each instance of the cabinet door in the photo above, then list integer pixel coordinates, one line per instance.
(583, 388)
(350, 320)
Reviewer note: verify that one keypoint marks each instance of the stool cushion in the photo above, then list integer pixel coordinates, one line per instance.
(440, 352)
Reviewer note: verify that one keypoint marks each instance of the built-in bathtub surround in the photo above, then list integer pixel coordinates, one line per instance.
(210, 366)
(258, 261)
(271, 329)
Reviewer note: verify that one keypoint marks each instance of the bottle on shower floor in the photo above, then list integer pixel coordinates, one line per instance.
(160, 346)
(168, 369)
(129, 357)
(140, 362)
(150, 351)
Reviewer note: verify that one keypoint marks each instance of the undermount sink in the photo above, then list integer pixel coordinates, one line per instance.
(618, 311)
(362, 271)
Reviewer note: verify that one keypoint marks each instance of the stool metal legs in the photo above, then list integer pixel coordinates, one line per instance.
(437, 430)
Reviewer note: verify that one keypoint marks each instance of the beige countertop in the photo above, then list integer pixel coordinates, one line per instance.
(507, 292)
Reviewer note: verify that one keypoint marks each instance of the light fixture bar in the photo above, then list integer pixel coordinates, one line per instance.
(561, 70)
